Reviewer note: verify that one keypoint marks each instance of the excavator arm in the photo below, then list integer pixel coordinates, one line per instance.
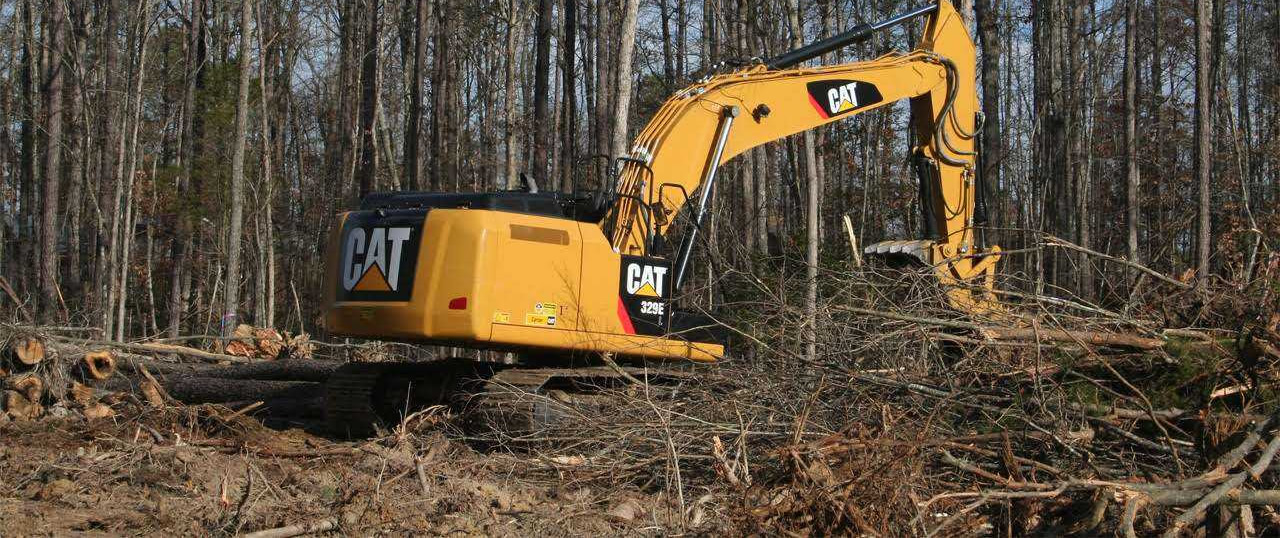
(678, 153)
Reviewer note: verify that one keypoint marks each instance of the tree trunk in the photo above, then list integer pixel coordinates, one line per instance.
(76, 150)
(622, 108)
(186, 225)
(668, 48)
(747, 167)
(988, 15)
(266, 280)
(231, 297)
(315, 371)
(1203, 130)
(413, 130)
(541, 92)
(1131, 127)
(26, 248)
(198, 390)
(126, 175)
(569, 128)
(514, 26)
(369, 102)
(1245, 136)
(1157, 125)
(811, 210)
(52, 162)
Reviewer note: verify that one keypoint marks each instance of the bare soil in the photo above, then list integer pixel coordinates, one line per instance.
(190, 471)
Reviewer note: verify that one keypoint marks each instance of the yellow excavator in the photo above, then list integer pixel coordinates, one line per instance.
(572, 281)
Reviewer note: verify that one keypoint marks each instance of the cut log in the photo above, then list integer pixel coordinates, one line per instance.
(194, 390)
(29, 386)
(283, 370)
(26, 351)
(151, 391)
(82, 394)
(98, 365)
(251, 342)
(97, 411)
(19, 407)
(197, 390)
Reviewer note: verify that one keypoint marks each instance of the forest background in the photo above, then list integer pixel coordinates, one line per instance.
(172, 167)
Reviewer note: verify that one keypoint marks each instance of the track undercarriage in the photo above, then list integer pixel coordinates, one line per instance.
(515, 401)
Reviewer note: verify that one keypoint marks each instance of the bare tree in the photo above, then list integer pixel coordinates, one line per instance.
(541, 91)
(1203, 130)
(76, 148)
(1131, 127)
(988, 15)
(369, 101)
(569, 115)
(813, 236)
(514, 26)
(231, 297)
(52, 160)
(413, 127)
(27, 161)
(622, 107)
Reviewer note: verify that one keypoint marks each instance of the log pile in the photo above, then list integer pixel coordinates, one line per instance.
(44, 374)
(38, 379)
(267, 343)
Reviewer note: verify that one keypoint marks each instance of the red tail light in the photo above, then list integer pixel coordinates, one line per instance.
(458, 303)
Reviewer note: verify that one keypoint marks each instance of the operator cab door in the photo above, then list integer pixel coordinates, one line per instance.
(539, 272)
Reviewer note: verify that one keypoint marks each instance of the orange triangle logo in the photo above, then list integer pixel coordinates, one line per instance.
(373, 280)
(646, 291)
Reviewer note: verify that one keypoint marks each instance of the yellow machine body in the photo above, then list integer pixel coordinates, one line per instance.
(500, 279)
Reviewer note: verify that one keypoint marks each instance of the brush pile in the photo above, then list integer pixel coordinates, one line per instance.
(1153, 415)
(1057, 417)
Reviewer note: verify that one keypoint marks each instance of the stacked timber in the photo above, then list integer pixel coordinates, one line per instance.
(53, 375)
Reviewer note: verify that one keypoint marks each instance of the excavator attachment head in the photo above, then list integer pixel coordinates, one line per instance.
(968, 280)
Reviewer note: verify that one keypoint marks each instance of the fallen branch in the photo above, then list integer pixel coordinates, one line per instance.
(1092, 338)
(8, 290)
(1052, 241)
(287, 531)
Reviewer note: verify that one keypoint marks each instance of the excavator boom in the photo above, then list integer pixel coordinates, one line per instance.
(699, 129)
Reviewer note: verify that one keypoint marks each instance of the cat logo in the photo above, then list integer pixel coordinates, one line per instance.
(645, 280)
(842, 98)
(833, 98)
(371, 259)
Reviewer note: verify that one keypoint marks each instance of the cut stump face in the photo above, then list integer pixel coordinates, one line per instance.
(27, 351)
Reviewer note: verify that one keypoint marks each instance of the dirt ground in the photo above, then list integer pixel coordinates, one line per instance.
(202, 471)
